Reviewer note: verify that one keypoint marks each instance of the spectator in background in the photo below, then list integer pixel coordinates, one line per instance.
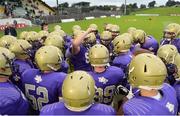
(10, 30)
(15, 23)
(44, 26)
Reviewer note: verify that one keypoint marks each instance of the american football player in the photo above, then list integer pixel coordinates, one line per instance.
(94, 28)
(131, 30)
(107, 27)
(170, 36)
(12, 100)
(167, 53)
(43, 35)
(78, 51)
(106, 40)
(78, 92)
(23, 35)
(58, 41)
(122, 44)
(34, 39)
(145, 42)
(147, 72)
(76, 27)
(43, 86)
(67, 38)
(22, 61)
(177, 84)
(115, 30)
(6, 40)
(106, 77)
(57, 28)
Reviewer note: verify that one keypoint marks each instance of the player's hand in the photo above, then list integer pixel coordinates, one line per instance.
(122, 91)
(171, 69)
(89, 30)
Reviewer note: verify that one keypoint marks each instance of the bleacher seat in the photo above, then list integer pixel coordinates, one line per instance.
(19, 11)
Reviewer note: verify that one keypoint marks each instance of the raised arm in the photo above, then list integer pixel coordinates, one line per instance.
(78, 41)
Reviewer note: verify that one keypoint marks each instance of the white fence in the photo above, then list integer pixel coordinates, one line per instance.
(67, 20)
(89, 18)
(147, 14)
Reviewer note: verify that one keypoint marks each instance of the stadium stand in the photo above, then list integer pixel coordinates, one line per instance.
(22, 8)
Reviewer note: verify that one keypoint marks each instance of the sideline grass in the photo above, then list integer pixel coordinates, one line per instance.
(152, 25)
(162, 11)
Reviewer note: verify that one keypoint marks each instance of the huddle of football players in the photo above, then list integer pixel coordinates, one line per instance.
(90, 73)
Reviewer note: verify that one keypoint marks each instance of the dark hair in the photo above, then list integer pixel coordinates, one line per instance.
(43, 24)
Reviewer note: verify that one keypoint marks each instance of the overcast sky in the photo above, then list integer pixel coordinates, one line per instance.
(108, 2)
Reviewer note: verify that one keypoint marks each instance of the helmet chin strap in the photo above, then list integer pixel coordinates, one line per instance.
(51, 67)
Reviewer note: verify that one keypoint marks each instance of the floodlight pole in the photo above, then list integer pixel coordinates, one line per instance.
(125, 8)
(57, 2)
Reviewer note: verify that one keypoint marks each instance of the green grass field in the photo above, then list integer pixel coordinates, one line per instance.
(153, 27)
(163, 11)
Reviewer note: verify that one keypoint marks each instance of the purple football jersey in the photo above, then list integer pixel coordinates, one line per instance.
(106, 83)
(68, 41)
(98, 40)
(64, 67)
(22, 65)
(80, 61)
(177, 88)
(60, 109)
(123, 60)
(150, 44)
(140, 105)
(133, 48)
(165, 41)
(175, 42)
(12, 100)
(42, 88)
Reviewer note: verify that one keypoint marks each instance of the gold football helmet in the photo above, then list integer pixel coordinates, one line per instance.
(32, 36)
(167, 53)
(90, 39)
(122, 43)
(99, 55)
(115, 30)
(23, 35)
(56, 41)
(147, 71)
(5, 58)
(49, 58)
(61, 33)
(57, 28)
(108, 27)
(131, 30)
(94, 27)
(172, 31)
(139, 36)
(106, 37)
(43, 34)
(76, 27)
(78, 91)
(19, 48)
(6, 40)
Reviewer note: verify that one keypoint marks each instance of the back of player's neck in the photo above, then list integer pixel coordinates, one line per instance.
(99, 69)
(148, 93)
(3, 79)
(47, 71)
